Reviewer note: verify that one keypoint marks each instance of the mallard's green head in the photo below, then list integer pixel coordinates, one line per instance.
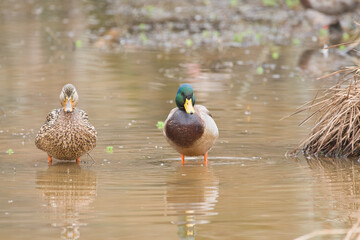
(185, 99)
(68, 97)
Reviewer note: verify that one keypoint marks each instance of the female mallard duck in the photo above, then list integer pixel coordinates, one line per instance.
(67, 133)
(190, 129)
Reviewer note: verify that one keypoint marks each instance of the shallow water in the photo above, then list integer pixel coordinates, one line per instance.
(249, 190)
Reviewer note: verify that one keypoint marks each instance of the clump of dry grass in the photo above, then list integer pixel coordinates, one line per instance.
(337, 128)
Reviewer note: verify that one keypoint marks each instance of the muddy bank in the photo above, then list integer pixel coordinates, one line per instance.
(208, 24)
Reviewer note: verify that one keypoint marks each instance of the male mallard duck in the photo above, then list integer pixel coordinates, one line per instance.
(67, 133)
(189, 128)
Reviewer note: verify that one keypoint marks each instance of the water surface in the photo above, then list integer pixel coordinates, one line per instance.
(249, 190)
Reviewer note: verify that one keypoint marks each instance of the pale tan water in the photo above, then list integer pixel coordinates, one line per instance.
(249, 190)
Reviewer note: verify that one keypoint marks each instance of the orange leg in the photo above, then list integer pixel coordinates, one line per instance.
(78, 160)
(205, 159)
(49, 160)
(182, 160)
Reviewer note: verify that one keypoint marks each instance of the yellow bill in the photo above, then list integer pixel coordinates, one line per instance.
(189, 108)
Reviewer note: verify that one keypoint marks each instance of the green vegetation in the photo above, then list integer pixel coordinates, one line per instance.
(238, 37)
(260, 70)
(206, 33)
(258, 36)
(275, 52)
(206, 2)
(275, 55)
(78, 43)
(269, 3)
(323, 32)
(289, 3)
(142, 26)
(296, 41)
(342, 47)
(234, 3)
(109, 149)
(292, 3)
(144, 38)
(188, 42)
(9, 151)
(160, 125)
(150, 9)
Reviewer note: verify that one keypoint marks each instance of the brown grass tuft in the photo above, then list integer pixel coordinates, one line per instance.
(337, 128)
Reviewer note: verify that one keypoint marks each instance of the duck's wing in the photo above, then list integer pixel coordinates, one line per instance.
(83, 115)
(202, 109)
(85, 118)
(210, 125)
(46, 127)
(52, 116)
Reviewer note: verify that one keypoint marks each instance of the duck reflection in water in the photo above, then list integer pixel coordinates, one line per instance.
(68, 191)
(316, 63)
(191, 195)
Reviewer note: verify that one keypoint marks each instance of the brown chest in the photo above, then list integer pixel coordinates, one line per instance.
(184, 129)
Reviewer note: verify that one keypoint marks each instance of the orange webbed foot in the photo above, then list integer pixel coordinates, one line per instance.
(205, 159)
(49, 160)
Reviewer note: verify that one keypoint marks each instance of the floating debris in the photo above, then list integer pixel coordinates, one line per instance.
(109, 149)
(160, 125)
(296, 41)
(260, 70)
(188, 42)
(9, 151)
(78, 43)
(275, 55)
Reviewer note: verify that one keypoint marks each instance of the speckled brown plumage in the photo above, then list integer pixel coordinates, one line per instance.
(66, 135)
